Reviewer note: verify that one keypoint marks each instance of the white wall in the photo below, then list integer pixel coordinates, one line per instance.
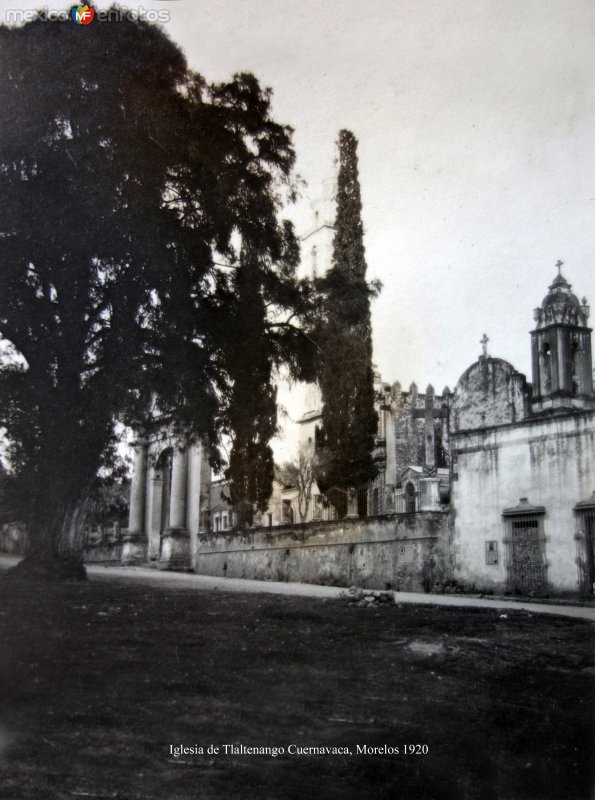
(552, 463)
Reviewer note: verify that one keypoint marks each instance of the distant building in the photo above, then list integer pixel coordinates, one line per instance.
(223, 517)
(411, 449)
(316, 244)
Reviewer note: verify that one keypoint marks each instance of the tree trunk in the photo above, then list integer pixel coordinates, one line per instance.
(303, 506)
(55, 549)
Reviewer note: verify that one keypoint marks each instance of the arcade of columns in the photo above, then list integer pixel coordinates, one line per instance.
(168, 502)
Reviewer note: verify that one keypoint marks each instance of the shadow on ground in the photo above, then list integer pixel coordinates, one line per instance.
(98, 680)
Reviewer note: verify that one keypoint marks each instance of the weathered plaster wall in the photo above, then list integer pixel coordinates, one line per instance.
(490, 392)
(406, 552)
(100, 552)
(103, 543)
(549, 461)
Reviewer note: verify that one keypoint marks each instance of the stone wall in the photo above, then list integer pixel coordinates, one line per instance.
(100, 543)
(406, 552)
(104, 543)
(549, 461)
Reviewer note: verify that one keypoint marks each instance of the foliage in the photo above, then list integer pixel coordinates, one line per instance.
(6, 493)
(305, 479)
(300, 475)
(126, 182)
(108, 503)
(349, 422)
(109, 496)
(256, 344)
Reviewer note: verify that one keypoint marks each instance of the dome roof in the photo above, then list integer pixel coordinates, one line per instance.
(560, 305)
(559, 291)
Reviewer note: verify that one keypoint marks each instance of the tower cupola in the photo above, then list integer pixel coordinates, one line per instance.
(561, 350)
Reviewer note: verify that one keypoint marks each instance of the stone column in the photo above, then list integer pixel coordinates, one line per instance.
(193, 501)
(429, 427)
(445, 421)
(155, 514)
(205, 493)
(391, 451)
(134, 548)
(193, 489)
(177, 508)
(175, 542)
(137, 489)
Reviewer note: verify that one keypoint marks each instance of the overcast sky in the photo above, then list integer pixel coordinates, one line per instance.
(476, 129)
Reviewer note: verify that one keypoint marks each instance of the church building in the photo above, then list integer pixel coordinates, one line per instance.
(523, 460)
(487, 488)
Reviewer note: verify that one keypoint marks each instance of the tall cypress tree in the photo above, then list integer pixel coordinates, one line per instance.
(346, 379)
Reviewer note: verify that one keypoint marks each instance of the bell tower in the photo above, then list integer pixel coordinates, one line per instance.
(561, 351)
(317, 243)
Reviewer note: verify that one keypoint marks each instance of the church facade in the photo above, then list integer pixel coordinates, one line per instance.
(523, 461)
(169, 499)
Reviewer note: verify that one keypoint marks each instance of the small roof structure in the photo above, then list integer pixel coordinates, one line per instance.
(524, 507)
(586, 505)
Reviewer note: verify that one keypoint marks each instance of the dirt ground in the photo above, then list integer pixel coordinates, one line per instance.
(100, 681)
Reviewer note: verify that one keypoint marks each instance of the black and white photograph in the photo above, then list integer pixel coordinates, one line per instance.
(297, 400)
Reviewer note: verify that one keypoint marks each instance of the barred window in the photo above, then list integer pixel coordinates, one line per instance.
(525, 563)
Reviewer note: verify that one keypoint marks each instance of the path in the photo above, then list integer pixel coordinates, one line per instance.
(184, 580)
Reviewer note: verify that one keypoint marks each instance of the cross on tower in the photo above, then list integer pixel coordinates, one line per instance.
(484, 345)
(559, 264)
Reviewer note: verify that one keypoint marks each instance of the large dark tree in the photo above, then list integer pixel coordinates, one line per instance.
(259, 341)
(346, 379)
(127, 187)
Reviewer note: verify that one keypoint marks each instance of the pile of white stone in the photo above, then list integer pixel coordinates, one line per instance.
(368, 598)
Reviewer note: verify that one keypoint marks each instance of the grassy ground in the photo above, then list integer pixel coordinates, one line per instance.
(98, 680)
